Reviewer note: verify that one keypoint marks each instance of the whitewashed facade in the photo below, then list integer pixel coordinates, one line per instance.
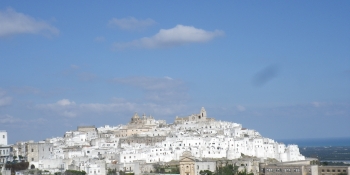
(150, 141)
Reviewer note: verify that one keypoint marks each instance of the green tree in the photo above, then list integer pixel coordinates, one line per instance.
(111, 172)
(121, 172)
(20, 157)
(244, 172)
(157, 167)
(17, 166)
(226, 170)
(205, 172)
(343, 173)
(75, 172)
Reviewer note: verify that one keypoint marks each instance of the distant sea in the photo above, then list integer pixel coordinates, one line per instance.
(344, 141)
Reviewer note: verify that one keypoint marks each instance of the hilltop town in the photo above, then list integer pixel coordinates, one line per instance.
(137, 146)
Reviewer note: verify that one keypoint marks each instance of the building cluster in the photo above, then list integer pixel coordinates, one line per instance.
(145, 141)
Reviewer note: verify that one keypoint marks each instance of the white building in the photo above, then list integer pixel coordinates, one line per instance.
(145, 141)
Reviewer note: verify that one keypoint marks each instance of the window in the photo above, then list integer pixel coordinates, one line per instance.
(32, 150)
(32, 159)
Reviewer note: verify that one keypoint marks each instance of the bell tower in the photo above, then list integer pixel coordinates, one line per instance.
(203, 114)
(3, 137)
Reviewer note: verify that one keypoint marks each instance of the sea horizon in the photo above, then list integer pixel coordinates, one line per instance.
(314, 142)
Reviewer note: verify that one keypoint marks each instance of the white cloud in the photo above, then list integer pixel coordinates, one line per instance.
(12, 22)
(164, 89)
(63, 107)
(310, 110)
(317, 104)
(8, 119)
(162, 96)
(4, 100)
(240, 108)
(68, 108)
(65, 102)
(131, 23)
(179, 35)
(150, 83)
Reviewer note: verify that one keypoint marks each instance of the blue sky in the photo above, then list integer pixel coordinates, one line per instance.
(279, 67)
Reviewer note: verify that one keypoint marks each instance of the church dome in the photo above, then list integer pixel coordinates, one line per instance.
(135, 117)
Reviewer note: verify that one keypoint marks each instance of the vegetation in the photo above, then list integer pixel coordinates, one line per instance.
(205, 172)
(125, 173)
(74, 172)
(245, 172)
(166, 169)
(17, 166)
(111, 172)
(334, 163)
(230, 170)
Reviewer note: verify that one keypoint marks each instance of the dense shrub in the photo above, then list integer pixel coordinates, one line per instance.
(17, 166)
(74, 172)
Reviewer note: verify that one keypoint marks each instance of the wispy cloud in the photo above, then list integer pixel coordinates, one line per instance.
(150, 83)
(240, 108)
(179, 35)
(131, 23)
(162, 96)
(63, 107)
(8, 119)
(306, 110)
(164, 89)
(69, 109)
(4, 99)
(12, 23)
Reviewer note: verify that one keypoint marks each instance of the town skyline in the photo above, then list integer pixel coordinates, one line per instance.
(281, 68)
